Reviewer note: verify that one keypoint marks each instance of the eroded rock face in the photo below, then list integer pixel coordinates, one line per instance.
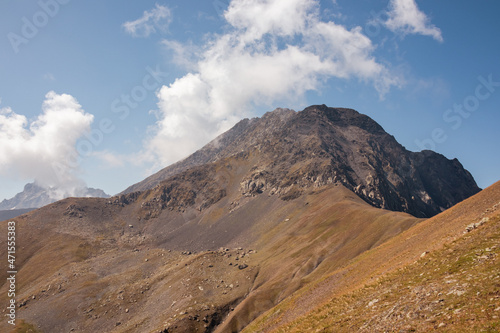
(294, 151)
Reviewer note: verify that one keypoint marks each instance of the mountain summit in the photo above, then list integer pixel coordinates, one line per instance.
(35, 196)
(293, 151)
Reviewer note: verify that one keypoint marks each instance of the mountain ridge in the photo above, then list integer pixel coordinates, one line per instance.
(35, 196)
(428, 298)
(340, 145)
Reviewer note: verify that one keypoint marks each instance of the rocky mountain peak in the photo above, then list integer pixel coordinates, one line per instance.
(36, 196)
(292, 152)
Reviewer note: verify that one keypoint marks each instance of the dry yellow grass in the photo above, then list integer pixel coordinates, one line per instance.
(84, 273)
(340, 302)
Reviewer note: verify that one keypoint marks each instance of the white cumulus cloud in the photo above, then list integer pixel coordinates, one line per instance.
(273, 51)
(45, 148)
(276, 17)
(407, 18)
(109, 160)
(158, 18)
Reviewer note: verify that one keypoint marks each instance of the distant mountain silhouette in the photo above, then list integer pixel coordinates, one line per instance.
(11, 213)
(35, 196)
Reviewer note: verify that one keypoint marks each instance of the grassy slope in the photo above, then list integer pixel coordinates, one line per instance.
(84, 273)
(319, 233)
(453, 288)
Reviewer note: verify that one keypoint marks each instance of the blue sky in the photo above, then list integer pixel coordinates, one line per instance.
(104, 93)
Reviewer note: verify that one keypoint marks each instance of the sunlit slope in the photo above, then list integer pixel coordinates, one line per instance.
(106, 273)
(435, 275)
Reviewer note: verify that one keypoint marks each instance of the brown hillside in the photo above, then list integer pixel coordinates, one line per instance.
(435, 275)
(75, 273)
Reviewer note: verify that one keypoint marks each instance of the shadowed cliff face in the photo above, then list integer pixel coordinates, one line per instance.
(321, 145)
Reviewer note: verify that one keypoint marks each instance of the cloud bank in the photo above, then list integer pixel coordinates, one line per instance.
(405, 17)
(158, 18)
(42, 149)
(273, 50)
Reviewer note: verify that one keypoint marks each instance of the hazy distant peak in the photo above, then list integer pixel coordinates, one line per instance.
(36, 196)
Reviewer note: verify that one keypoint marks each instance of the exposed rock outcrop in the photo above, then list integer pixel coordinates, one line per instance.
(293, 151)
